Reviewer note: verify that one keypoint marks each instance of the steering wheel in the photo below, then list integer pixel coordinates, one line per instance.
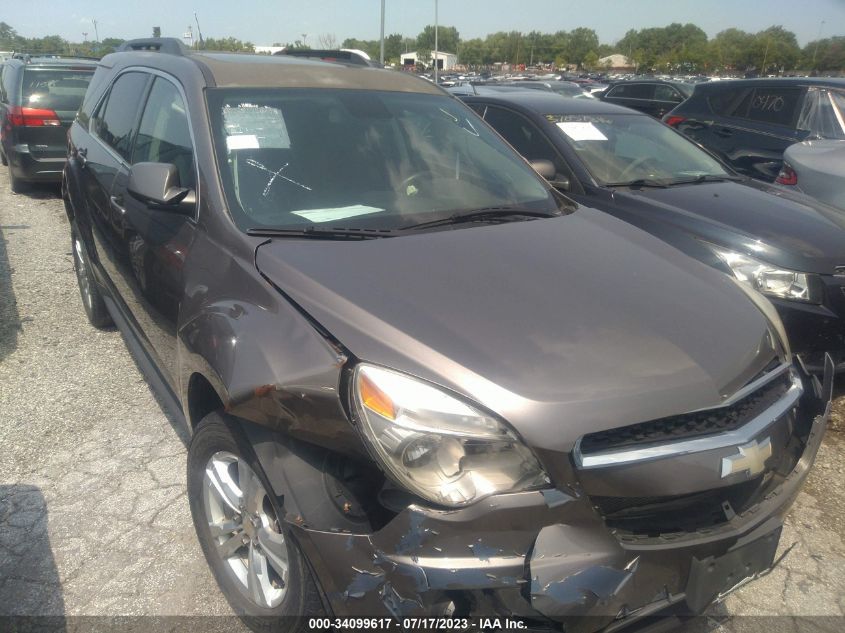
(406, 185)
(630, 168)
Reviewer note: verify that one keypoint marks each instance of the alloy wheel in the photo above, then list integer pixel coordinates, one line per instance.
(82, 273)
(245, 530)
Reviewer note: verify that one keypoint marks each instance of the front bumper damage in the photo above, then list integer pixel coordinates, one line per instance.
(547, 556)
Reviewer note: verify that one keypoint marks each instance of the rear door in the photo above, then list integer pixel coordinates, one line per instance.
(666, 98)
(53, 95)
(753, 126)
(639, 96)
(154, 242)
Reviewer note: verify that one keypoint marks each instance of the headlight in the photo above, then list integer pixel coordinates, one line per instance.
(439, 447)
(765, 278)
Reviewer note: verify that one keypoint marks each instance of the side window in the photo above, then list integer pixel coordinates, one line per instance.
(632, 91)
(164, 135)
(524, 136)
(6, 90)
(728, 102)
(664, 92)
(772, 105)
(115, 119)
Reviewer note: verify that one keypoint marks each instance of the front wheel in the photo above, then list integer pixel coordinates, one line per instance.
(89, 290)
(260, 570)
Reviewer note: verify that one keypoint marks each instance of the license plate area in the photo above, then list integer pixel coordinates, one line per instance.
(714, 577)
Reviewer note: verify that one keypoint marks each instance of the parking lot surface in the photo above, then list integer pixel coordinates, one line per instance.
(94, 519)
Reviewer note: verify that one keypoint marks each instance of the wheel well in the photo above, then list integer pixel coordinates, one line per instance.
(202, 399)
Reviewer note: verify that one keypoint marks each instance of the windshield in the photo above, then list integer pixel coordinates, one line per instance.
(324, 159)
(626, 148)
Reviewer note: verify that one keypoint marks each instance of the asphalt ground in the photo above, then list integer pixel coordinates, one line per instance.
(94, 519)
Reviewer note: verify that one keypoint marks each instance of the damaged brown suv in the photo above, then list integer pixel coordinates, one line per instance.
(419, 381)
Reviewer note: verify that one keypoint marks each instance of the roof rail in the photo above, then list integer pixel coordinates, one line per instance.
(169, 45)
(343, 56)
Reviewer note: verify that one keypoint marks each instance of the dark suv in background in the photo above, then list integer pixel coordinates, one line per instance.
(748, 123)
(654, 97)
(420, 381)
(39, 97)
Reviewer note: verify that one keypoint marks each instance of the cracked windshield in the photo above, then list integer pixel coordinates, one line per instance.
(369, 160)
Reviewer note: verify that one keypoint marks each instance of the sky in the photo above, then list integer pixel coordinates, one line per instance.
(264, 22)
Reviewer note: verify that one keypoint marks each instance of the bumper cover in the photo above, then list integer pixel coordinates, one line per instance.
(547, 555)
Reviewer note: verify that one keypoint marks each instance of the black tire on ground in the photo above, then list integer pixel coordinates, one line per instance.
(220, 433)
(89, 290)
(16, 184)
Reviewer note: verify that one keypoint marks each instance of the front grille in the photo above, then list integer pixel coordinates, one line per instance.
(659, 516)
(688, 425)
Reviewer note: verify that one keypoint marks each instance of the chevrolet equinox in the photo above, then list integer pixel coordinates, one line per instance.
(419, 382)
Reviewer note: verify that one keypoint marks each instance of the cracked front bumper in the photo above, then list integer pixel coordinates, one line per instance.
(547, 556)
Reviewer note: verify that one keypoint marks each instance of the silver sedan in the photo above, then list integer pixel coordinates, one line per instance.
(818, 169)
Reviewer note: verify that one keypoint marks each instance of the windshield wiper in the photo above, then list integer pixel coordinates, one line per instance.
(321, 233)
(706, 178)
(639, 182)
(493, 214)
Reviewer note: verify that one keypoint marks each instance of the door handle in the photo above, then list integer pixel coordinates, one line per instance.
(723, 132)
(82, 156)
(117, 203)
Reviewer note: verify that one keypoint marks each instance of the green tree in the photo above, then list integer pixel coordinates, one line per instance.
(824, 55)
(448, 38)
(582, 41)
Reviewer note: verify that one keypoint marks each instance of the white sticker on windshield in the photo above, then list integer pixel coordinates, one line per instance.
(264, 123)
(330, 215)
(581, 131)
(242, 141)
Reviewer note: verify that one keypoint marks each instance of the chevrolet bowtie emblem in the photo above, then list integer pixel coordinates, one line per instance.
(752, 458)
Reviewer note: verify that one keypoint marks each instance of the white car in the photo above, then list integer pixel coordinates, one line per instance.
(816, 168)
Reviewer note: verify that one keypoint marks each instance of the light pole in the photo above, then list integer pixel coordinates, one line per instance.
(96, 33)
(436, 44)
(818, 41)
(381, 47)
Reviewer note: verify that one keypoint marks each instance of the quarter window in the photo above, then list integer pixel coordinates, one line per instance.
(770, 105)
(115, 119)
(632, 91)
(164, 135)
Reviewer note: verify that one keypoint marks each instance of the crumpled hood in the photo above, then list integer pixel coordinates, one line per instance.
(786, 229)
(581, 319)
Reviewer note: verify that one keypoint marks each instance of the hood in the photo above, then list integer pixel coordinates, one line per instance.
(581, 319)
(761, 220)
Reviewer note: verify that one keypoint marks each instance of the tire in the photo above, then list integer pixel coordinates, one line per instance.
(16, 184)
(3, 159)
(238, 527)
(89, 290)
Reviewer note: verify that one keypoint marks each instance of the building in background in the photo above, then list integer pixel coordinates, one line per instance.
(446, 61)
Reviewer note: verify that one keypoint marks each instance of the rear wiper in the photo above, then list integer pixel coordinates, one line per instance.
(706, 178)
(639, 182)
(497, 214)
(321, 233)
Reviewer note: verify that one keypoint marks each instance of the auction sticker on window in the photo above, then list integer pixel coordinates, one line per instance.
(581, 131)
(251, 126)
(340, 213)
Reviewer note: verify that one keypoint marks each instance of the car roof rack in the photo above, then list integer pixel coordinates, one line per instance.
(169, 45)
(343, 56)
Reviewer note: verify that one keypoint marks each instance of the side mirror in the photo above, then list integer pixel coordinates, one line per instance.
(544, 167)
(157, 184)
(548, 171)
